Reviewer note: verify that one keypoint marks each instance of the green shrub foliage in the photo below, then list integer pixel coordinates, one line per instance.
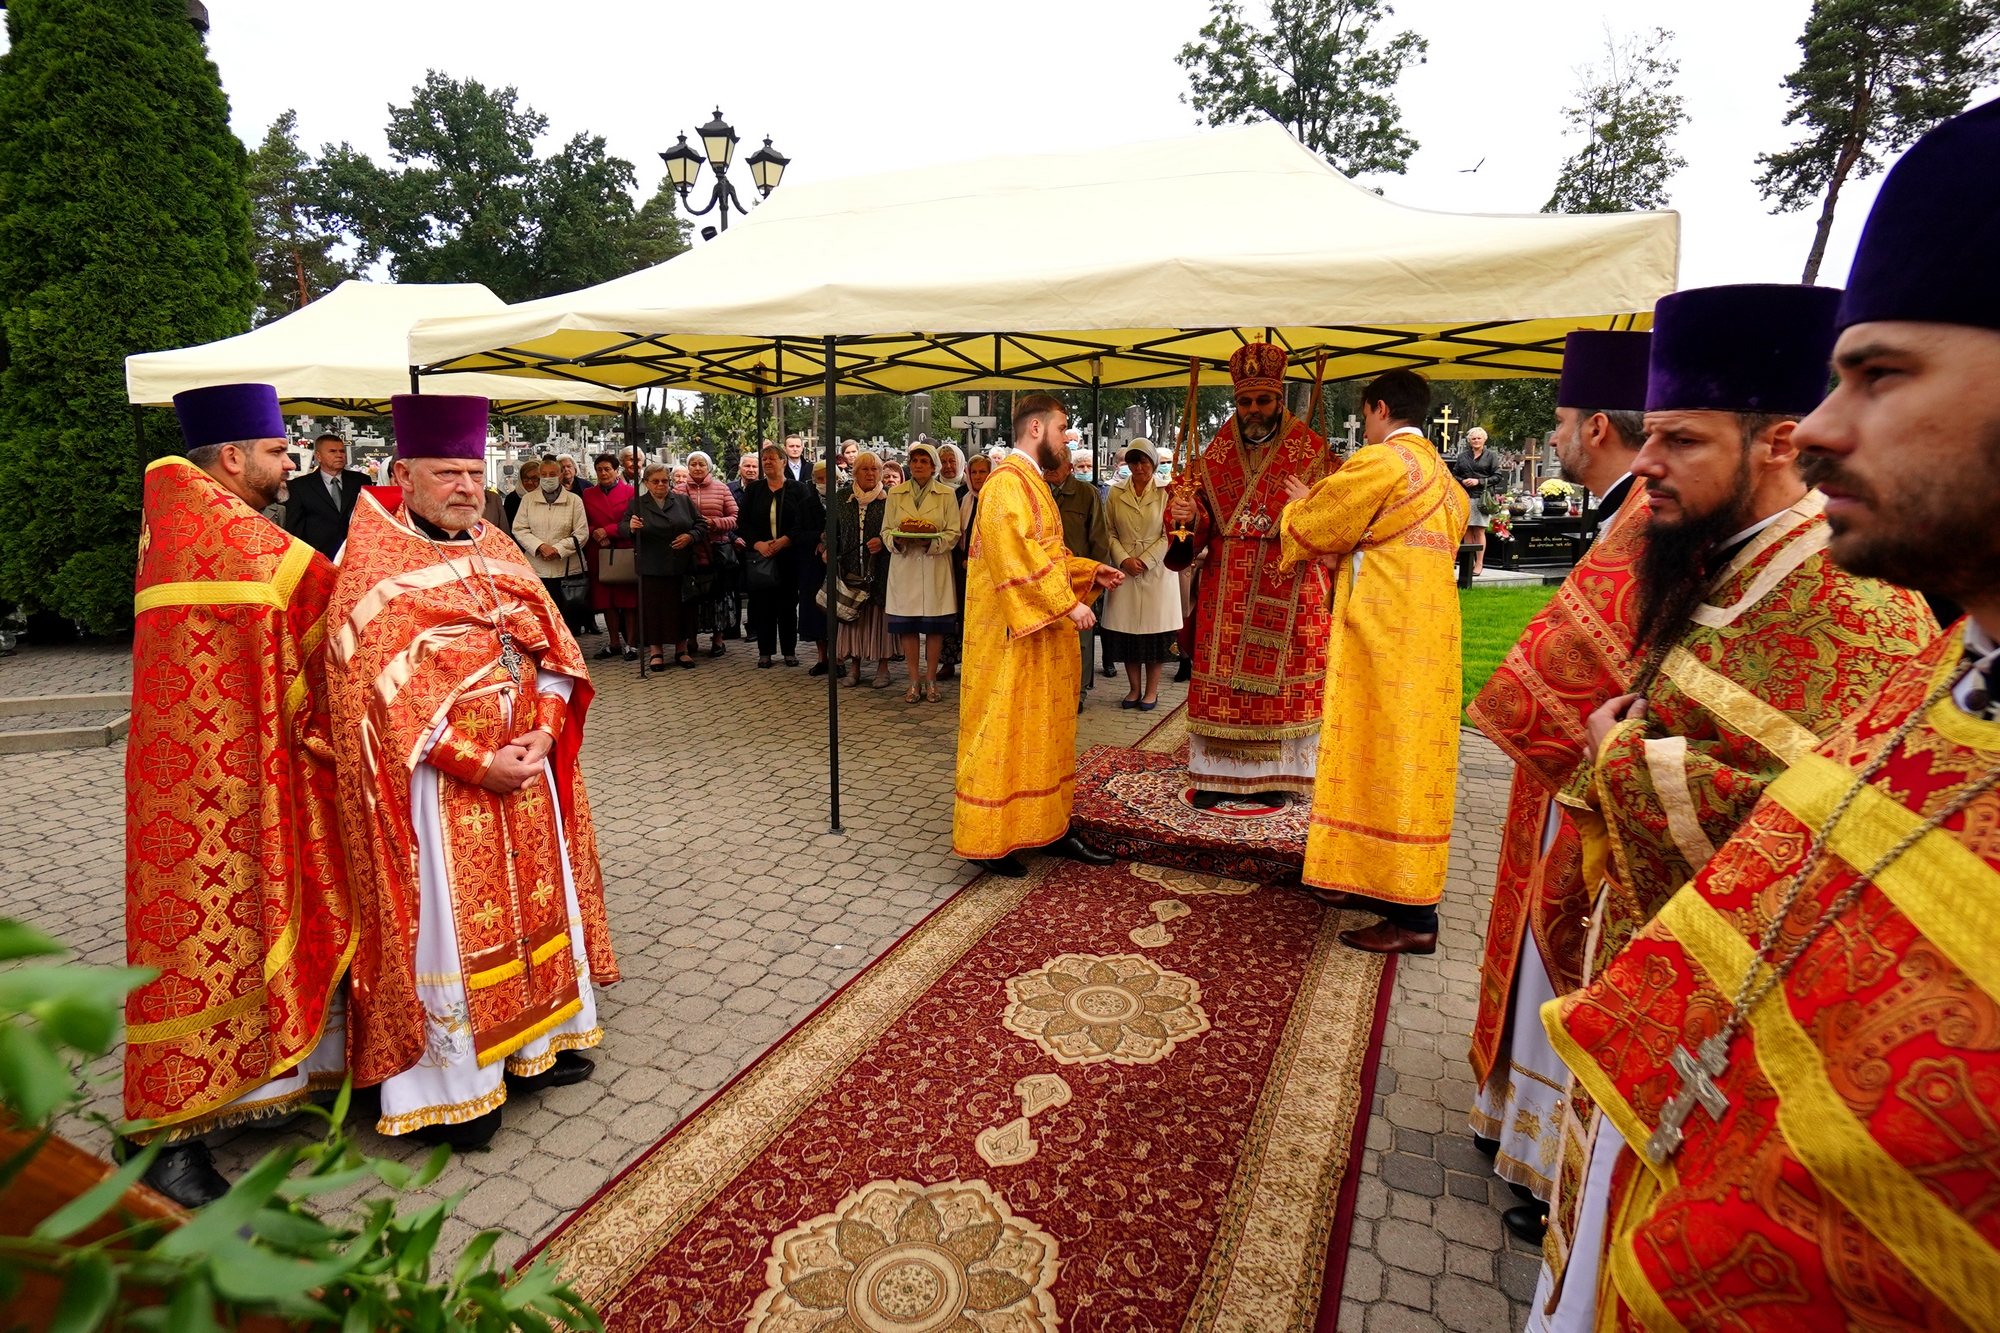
(124, 227)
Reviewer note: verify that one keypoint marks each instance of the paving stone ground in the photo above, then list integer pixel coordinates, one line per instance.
(736, 913)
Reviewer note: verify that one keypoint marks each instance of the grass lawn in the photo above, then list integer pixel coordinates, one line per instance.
(1491, 619)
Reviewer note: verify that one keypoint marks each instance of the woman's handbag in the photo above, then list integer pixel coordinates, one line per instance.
(762, 571)
(847, 600)
(575, 589)
(617, 564)
(722, 554)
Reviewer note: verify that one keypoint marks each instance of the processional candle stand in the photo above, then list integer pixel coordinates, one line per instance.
(1186, 447)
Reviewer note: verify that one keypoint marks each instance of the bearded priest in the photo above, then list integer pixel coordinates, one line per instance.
(235, 884)
(458, 704)
(1024, 606)
(1574, 654)
(1260, 627)
(1387, 526)
(1799, 1058)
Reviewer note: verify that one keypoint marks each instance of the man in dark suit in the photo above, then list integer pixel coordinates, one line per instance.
(322, 502)
(796, 467)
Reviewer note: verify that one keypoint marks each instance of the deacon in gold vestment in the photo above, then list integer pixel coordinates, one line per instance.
(1024, 603)
(1388, 525)
(235, 886)
(458, 703)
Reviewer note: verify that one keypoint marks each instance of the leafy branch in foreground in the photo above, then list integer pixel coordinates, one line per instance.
(260, 1250)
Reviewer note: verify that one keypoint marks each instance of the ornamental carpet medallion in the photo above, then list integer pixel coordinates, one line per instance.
(1019, 1121)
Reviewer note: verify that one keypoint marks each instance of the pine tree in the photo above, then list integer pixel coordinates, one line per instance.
(124, 227)
(294, 248)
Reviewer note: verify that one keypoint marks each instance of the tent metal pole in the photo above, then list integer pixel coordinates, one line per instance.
(832, 620)
(1096, 426)
(415, 385)
(638, 489)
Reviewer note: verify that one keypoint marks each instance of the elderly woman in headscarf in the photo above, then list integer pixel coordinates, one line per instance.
(671, 533)
(862, 556)
(716, 561)
(923, 601)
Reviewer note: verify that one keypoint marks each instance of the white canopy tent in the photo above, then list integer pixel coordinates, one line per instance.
(1115, 266)
(1145, 265)
(346, 354)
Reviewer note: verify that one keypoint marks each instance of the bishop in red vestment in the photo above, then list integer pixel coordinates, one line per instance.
(1260, 630)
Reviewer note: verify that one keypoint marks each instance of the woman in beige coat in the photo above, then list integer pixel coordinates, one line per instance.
(551, 529)
(923, 598)
(1142, 615)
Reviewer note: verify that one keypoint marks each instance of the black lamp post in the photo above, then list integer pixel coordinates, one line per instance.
(767, 168)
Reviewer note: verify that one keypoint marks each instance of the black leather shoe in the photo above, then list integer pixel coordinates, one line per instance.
(1208, 800)
(473, 1134)
(1184, 672)
(1529, 1221)
(947, 671)
(1521, 1192)
(569, 1068)
(1270, 797)
(819, 669)
(1071, 848)
(1004, 865)
(1384, 937)
(185, 1172)
(1487, 1146)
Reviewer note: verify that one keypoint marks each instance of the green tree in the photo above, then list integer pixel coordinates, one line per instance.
(1875, 74)
(658, 231)
(124, 227)
(467, 200)
(293, 247)
(1628, 114)
(1317, 70)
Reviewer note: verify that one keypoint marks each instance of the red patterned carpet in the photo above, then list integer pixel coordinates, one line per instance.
(1136, 804)
(1095, 1099)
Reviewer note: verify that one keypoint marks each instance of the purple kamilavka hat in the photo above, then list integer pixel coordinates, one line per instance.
(1604, 370)
(1750, 347)
(228, 414)
(439, 425)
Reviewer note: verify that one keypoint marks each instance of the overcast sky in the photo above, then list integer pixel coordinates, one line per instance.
(869, 85)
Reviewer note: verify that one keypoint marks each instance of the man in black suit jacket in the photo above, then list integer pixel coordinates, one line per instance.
(322, 502)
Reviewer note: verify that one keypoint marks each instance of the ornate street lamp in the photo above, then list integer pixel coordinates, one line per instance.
(767, 168)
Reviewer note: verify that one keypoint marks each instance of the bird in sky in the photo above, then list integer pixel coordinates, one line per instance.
(1467, 171)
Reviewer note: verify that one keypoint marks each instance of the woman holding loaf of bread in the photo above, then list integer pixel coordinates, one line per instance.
(922, 522)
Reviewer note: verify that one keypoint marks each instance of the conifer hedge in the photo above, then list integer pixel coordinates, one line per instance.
(124, 227)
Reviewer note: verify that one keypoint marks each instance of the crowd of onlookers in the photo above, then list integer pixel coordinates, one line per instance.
(657, 556)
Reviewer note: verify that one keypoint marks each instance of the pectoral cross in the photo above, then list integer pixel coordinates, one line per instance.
(1444, 420)
(1698, 1074)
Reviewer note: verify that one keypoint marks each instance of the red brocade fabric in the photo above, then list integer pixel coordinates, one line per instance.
(1201, 1127)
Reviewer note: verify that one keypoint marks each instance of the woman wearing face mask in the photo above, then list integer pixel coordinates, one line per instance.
(862, 557)
(551, 527)
(716, 563)
(606, 505)
(951, 477)
(922, 603)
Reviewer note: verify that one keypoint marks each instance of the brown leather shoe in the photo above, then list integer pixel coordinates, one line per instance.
(1385, 938)
(1337, 899)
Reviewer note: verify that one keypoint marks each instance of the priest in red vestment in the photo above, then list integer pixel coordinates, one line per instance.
(1573, 656)
(235, 883)
(1798, 1059)
(458, 704)
(1260, 630)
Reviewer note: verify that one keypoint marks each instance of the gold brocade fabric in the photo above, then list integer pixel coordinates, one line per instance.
(414, 645)
(1388, 749)
(1849, 1181)
(1787, 645)
(1017, 703)
(235, 883)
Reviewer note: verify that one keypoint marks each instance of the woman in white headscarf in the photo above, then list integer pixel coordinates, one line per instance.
(923, 600)
(861, 554)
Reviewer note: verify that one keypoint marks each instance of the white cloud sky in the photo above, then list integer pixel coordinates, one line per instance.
(870, 85)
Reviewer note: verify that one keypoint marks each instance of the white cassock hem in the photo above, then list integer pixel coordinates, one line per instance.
(1292, 770)
(447, 1085)
(1576, 1312)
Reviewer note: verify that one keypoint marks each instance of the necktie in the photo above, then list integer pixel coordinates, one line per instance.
(333, 488)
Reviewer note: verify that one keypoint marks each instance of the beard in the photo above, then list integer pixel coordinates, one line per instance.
(264, 482)
(1255, 428)
(1050, 453)
(1676, 565)
(1935, 530)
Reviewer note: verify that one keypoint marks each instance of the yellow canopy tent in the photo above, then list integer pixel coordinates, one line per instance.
(346, 354)
(1110, 265)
